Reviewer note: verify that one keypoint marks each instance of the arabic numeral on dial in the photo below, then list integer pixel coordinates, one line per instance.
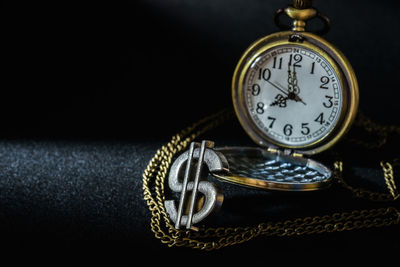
(312, 68)
(276, 64)
(305, 129)
(264, 74)
(272, 121)
(255, 89)
(260, 108)
(288, 129)
(330, 103)
(297, 59)
(320, 118)
(324, 80)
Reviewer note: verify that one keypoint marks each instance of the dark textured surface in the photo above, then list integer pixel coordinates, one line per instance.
(90, 91)
(80, 197)
(96, 184)
(84, 200)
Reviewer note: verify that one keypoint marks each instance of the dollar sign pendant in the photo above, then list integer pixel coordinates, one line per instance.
(215, 162)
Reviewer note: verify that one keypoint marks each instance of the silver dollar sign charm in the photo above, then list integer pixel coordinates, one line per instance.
(215, 162)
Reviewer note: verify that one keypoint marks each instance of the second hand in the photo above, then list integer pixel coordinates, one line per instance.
(278, 88)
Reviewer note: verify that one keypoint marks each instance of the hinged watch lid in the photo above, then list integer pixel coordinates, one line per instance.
(252, 167)
(257, 167)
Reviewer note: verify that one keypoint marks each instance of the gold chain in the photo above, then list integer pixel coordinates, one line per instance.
(382, 133)
(214, 238)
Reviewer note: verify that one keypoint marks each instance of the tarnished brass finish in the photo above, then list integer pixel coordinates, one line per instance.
(300, 16)
(337, 60)
(301, 4)
(301, 11)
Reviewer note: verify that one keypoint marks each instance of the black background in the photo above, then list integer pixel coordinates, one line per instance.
(142, 70)
(145, 68)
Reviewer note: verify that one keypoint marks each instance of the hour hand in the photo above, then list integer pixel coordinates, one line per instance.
(298, 99)
(292, 95)
(280, 101)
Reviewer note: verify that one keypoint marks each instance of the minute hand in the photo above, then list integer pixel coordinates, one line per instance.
(293, 96)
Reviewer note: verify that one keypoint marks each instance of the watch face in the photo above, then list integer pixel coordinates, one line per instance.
(292, 95)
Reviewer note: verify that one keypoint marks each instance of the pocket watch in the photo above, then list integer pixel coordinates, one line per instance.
(294, 94)
(294, 91)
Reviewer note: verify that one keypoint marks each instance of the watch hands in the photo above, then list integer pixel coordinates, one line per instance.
(280, 101)
(280, 89)
(292, 95)
(292, 80)
(298, 99)
(280, 85)
(293, 88)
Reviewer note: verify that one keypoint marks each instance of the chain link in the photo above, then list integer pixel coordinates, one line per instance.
(215, 238)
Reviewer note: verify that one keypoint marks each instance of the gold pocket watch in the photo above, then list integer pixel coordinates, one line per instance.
(294, 94)
(293, 90)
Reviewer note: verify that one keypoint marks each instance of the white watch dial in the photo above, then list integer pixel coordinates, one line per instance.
(293, 95)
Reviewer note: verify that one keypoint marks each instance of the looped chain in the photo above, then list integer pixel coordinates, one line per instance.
(389, 179)
(367, 194)
(215, 238)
